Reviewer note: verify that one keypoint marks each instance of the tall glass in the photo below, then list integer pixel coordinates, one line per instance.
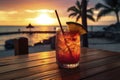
(67, 49)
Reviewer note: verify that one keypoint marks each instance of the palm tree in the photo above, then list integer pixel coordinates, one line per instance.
(84, 21)
(81, 11)
(108, 7)
(76, 11)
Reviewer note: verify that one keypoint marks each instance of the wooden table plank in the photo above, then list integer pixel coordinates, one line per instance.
(37, 70)
(84, 50)
(80, 75)
(42, 55)
(87, 65)
(93, 62)
(13, 67)
(29, 57)
(28, 71)
(113, 74)
(24, 60)
(40, 62)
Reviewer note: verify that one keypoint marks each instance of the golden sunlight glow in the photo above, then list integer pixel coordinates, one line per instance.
(44, 19)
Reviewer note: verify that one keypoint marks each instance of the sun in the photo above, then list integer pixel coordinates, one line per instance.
(44, 19)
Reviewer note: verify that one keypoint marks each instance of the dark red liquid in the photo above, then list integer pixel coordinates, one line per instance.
(68, 48)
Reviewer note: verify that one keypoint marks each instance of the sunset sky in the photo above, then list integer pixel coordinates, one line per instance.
(41, 12)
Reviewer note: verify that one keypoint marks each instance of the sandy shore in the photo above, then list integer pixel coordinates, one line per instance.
(104, 44)
(97, 43)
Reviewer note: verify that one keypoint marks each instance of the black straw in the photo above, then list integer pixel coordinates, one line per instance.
(59, 21)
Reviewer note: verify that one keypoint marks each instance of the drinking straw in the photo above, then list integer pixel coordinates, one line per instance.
(59, 21)
(63, 34)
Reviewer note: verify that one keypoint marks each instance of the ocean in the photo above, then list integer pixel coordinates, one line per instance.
(34, 38)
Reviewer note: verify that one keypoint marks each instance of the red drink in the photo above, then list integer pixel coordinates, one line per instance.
(68, 49)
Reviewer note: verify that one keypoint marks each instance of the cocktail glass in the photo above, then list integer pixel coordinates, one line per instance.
(68, 49)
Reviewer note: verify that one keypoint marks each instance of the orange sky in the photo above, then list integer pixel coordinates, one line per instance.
(22, 12)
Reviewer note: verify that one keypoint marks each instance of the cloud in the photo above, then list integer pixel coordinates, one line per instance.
(41, 10)
(6, 15)
(8, 12)
(12, 12)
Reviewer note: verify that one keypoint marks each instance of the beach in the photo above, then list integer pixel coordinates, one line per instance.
(96, 43)
(104, 44)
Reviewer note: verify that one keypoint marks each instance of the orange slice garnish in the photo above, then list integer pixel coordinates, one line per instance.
(76, 27)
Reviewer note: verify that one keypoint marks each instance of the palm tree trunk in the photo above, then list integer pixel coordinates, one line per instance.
(84, 22)
(117, 16)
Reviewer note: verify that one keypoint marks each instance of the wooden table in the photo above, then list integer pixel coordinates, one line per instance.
(94, 65)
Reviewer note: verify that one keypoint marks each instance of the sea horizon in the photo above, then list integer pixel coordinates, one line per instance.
(49, 25)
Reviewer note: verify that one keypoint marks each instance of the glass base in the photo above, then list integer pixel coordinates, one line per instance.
(69, 66)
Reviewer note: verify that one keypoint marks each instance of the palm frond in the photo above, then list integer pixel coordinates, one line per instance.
(78, 17)
(90, 11)
(103, 13)
(118, 6)
(78, 5)
(76, 11)
(73, 8)
(90, 17)
(100, 5)
(111, 3)
(72, 14)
